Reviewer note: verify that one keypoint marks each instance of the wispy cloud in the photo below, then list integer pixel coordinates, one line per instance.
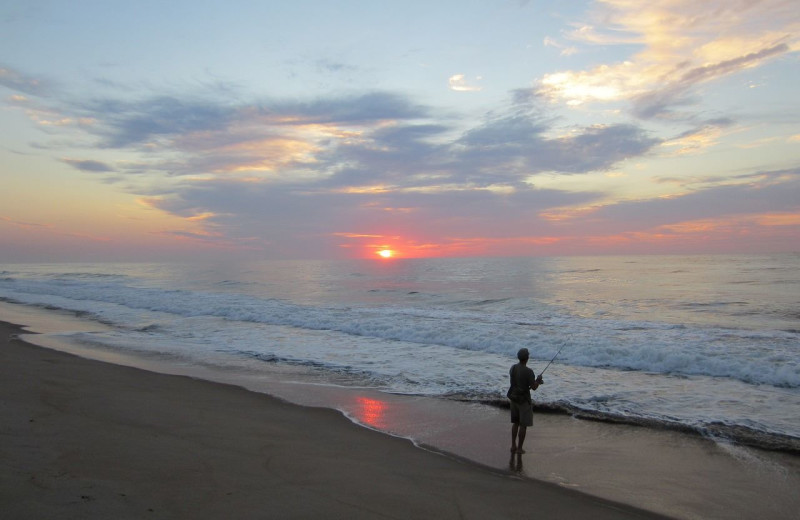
(566, 50)
(700, 138)
(754, 194)
(19, 82)
(88, 165)
(51, 229)
(24, 224)
(684, 44)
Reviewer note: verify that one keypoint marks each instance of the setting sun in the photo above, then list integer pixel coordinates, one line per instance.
(386, 253)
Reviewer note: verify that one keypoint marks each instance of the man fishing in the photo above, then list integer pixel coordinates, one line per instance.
(523, 380)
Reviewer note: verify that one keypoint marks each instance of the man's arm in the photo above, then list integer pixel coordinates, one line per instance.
(536, 382)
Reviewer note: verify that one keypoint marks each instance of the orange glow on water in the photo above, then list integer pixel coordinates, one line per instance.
(371, 412)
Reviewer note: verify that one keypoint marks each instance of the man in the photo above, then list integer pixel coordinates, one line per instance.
(523, 380)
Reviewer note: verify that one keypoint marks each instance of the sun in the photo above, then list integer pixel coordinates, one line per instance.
(386, 253)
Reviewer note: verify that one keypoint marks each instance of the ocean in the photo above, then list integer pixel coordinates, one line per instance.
(709, 345)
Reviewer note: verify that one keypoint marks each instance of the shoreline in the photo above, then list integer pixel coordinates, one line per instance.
(667, 472)
(739, 435)
(88, 439)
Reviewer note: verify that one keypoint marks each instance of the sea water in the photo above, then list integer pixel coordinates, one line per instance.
(707, 344)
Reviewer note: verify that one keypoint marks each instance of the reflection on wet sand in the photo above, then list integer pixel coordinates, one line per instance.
(371, 412)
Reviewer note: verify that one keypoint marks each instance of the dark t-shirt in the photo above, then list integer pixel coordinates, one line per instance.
(522, 379)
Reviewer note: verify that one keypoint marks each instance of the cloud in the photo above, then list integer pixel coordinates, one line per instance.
(368, 144)
(504, 151)
(39, 102)
(88, 165)
(699, 138)
(367, 107)
(752, 194)
(291, 178)
(326, 65)
(480, 221)
(24, 224)
(150, 121)
(15, 80)
(351, 142)
(292, 218)
(51, 229)
(683, 43)
(126, 124)
(659, 101)
(459, 83)
(565, 50)
(403, 175)
(519, 145)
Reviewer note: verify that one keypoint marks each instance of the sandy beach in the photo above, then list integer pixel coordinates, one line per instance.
(87, 439)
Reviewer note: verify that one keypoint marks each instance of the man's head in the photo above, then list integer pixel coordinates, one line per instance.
(523, 355)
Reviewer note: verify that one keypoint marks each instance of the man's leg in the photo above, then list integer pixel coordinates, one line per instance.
(514, 430)
(522, 431)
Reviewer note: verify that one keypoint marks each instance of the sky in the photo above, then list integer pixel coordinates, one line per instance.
(181, 130)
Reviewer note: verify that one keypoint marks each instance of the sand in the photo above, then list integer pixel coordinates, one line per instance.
(87, 439)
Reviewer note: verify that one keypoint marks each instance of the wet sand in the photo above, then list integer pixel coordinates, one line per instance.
(87, 439)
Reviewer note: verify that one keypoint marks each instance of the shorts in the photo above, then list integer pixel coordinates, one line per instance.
(522, 413)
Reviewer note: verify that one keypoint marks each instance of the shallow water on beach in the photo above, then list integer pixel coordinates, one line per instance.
(709, 344)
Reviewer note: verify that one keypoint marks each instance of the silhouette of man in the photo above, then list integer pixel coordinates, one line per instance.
(523, 380)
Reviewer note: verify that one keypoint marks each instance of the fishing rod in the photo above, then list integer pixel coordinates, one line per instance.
(554, 358)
